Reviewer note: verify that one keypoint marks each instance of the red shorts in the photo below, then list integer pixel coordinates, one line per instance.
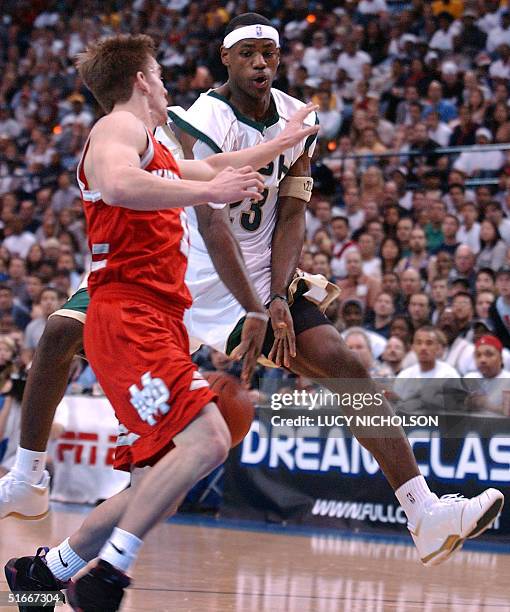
(138, 348)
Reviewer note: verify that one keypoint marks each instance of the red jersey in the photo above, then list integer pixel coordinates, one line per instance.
(145, 249)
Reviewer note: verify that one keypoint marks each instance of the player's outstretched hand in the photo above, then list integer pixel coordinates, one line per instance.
(250, 347)
(295, 131)
(231, 185)
(284, 346)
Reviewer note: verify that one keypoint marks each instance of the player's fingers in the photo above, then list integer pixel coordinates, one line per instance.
(239, 351)
(280, 353)
(246, 170)
(254, 182)
(291, 337)
(308, 131)
(303, 112)
(247, 193)
(272, 352)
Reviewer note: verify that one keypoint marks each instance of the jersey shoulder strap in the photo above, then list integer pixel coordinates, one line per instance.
(209, 120)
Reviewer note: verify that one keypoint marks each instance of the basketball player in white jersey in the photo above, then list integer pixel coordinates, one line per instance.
(245, 111)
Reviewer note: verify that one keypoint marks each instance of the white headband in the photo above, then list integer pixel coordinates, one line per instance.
(251, 31)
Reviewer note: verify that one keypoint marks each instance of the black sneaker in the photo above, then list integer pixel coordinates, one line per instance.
(100, 590)
(32, 574)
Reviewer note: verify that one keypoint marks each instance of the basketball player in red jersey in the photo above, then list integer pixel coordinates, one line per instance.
(133, 191)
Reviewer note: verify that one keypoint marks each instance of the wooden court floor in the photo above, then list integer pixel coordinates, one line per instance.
(192, 568)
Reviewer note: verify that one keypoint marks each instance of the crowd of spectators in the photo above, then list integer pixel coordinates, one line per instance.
(415, 231)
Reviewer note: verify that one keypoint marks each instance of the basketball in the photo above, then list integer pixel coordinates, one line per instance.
(234, 403)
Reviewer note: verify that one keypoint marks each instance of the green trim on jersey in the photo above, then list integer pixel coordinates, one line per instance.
(258, 125)
(78, 301)
(310, 140)
(192, 131)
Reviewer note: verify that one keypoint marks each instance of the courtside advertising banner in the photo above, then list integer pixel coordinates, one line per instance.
(302, 465)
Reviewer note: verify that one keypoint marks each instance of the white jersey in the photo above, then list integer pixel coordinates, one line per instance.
(219, 127)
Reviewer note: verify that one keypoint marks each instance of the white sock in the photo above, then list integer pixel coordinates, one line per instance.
(29, 465)
(63, 562)
(414, 495)
(121, 549)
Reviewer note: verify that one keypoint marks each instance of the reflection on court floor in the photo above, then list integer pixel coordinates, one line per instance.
(192, 567)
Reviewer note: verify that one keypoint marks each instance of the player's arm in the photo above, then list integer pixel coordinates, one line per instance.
(288, 240)
(256, 157)
(112, 166)
(226, 255)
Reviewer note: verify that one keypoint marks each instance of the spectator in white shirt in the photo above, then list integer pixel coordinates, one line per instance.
(372, 7)
(18, 241)
(438, 130)
(494, 380)
(371, 264)
(472, 163)
(352, 60)
(500, 69)
(315, 55)
(469, 231)
(416, 396)
(443, 38)
(500, 34)
(330, 120)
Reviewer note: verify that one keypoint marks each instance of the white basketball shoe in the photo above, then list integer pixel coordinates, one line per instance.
(23, 499)
(447, 522)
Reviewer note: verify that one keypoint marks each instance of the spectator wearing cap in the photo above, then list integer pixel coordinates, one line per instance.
(379, 320)
(500, 34)
(494, 378)
(459, 351)
(493, 249)
(475, 163)
(494, 212)
(356, 284)
(452, 83)
(469, 231)
(78, 113)
(472, 38)
(351, 315)
(499, 312)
